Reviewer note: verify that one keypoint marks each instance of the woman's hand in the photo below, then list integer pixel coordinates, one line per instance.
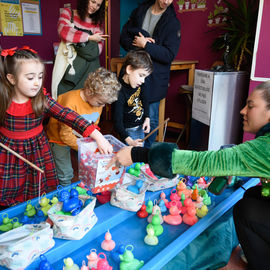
(103, 145)
(97, 37)
(122, 157)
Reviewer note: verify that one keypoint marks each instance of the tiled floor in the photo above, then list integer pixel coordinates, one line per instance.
(106, 127)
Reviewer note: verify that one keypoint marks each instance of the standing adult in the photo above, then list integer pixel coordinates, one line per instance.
(154, 26)
(81, 44)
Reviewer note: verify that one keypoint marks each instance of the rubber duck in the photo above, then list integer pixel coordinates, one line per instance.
(104, 197)
(202, 183)
(54, 200)
(148, 171)
(70, 265)
(92, 259)
(108, 244)
(174, 217)
(205, 196)
(142, 213)
(158, 229)
(136, 188)
(162, 206)
(103, 263)
(119, 251)
(195, 194)
(149, 207)
(6, 225)
(84, 266)
(183, 189)
(199, 202)
(128, 262)
(44, 264)
(30, 210)
(163, 197)
(150, 239)
(189, 217)
(71, 202)
(174, 196)
(16, 223)
(201, 212)
(156, 210)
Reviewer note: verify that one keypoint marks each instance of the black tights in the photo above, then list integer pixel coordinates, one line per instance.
(252, 222)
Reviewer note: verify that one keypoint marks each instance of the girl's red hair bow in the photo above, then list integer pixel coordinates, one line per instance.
(7, 52)
(29, 49)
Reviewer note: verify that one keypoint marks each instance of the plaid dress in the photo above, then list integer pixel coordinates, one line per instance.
(23, 132)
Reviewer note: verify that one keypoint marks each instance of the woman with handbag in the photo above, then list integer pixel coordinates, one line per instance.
(81, 44)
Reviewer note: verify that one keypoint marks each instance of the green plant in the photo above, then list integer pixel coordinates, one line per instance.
(210, 16)
(193, 1)
(181, 2)
(240, 26)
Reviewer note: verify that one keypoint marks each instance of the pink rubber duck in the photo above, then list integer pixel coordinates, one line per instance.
(108, 244)
(103, 263)
(182, 189)
(84, 266)
(190, 217)
(174, 218)
(92, 259)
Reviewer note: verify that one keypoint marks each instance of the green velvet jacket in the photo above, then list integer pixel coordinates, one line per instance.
(251, 159)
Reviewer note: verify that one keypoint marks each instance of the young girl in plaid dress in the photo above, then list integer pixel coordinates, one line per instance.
(23, 107)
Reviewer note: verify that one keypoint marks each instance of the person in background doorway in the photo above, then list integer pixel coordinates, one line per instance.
(154, 27)
(131, 110)
(81, 44)
(101, 87)
(251, 159)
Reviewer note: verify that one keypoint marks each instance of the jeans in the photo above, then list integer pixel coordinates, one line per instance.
(135, 132)
(153, 114)
(62, 159)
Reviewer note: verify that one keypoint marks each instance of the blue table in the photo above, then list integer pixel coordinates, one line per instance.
(126, 228)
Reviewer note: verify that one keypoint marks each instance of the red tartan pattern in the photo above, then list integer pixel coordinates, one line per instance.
(69, 34)
(19, 181)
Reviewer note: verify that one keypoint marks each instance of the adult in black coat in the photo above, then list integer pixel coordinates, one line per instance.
(162, 46)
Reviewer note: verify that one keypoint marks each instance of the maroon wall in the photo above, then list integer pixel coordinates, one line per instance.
(196, 39)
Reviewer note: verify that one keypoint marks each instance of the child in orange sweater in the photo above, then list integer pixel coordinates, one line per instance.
(101, 87)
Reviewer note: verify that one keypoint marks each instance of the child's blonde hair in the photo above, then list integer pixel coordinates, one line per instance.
(10, 64)
(104, 83)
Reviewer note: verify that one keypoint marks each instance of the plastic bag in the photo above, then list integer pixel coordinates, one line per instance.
(21, 246)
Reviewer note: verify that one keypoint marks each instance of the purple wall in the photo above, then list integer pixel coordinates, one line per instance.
(196, 40)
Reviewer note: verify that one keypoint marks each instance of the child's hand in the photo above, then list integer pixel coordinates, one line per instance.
(146, 125)
(103, 145)
(132, 142)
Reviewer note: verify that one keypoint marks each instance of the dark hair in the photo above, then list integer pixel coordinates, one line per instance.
(264, 87)
(97, 17)
(10, 64)
(138, 59)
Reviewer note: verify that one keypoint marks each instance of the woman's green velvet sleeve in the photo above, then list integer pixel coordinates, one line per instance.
(250, 159)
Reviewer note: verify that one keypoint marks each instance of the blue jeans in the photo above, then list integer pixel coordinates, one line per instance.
(153, 113)
(62, 159)
(135, 132)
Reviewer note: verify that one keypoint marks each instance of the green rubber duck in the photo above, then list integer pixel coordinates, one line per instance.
(127, 260)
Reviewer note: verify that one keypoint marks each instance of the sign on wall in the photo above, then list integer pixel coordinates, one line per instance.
(202, 96)
(20, 17)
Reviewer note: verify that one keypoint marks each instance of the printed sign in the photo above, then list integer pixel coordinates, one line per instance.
(202, 96)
